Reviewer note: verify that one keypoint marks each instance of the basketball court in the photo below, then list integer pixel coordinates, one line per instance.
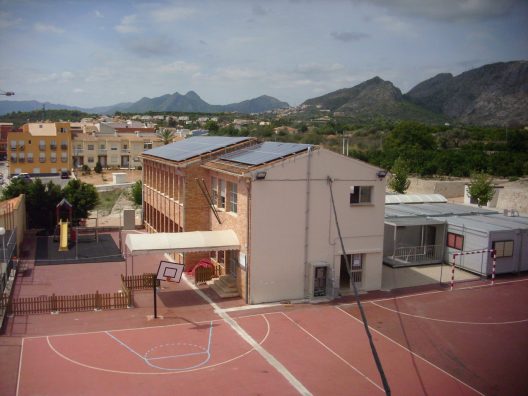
(469, 341)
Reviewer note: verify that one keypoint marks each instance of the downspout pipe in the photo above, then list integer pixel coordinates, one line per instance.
(307, 221)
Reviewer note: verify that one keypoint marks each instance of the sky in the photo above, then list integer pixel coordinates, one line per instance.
(95, 53)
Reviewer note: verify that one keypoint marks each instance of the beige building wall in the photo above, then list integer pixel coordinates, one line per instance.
(279, 245)
(112, 151)
(13, 216)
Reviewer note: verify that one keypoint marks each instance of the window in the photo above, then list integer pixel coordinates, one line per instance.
(360, 195)
(233, 207)
(64, 144)
(42, 145)
(21, 157)
(30, 157)
(125, 146)
(222, 191)
(503, 248)
(113, 148)
(64, 157)
(90, 147)
(214, 190)
(147, 145)
(42, 157)
(102, 146)
(21, 144)
(53, 157)
(13, 144)
(63, 130)
(90, 159)
(455, 241)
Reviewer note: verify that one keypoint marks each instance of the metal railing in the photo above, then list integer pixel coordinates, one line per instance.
(7, 249)
(413, 254)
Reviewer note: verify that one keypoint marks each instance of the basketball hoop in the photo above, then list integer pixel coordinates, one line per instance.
(169, 279)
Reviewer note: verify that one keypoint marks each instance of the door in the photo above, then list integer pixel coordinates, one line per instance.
(320, 281)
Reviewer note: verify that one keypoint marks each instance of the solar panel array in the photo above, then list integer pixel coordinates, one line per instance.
(264, 152)
(193, 146)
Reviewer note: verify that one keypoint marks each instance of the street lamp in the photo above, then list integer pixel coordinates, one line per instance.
(2, 233)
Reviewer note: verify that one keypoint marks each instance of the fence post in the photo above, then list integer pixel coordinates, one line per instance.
(97, 301)
(53, 303)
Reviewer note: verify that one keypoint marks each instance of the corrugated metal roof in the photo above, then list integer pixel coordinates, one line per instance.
(436, 209)
(473, 223)
(193, 146)
(264, 152)
(414, 221)
(506, 221)
(413, 198)
(513, 219)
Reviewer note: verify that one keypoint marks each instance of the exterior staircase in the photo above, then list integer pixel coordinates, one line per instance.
(224, 286)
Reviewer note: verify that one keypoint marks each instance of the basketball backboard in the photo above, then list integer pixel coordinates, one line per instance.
(170, 272)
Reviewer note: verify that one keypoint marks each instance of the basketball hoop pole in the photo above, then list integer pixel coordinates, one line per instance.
(154, 293)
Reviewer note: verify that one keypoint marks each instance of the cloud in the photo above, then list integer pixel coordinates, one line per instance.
(447, 9)
(392, 24)
(258, 10)
(349, 36)
(78, 90)
(128, 25)
(179, 67)
(98, 14)
(58, 78)
(171, 14)
(150, 46)
(316, 68)
(47, 28)
(7, 20)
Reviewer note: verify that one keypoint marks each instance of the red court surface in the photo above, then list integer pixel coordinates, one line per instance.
(467, 342)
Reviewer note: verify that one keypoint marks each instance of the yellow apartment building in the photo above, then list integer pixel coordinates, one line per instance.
(40, 148)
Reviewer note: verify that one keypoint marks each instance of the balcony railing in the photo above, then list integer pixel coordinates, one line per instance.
(53, 160)
(53, 146)
(30, 160)
(64, 147)
(21, 160)
(42, 147)
(13, 160)
(64, 160)
(42, 160)
(413, 254)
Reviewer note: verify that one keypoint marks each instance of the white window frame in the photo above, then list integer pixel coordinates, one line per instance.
(358, 195)
(233, 197)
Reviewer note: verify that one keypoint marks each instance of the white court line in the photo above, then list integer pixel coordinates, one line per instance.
(250, 307)
(20, 366)
(272, 361)
(437, 292)
(141, 328)
(48, 340)
(411, 352)
(445, 320)
(335, 353)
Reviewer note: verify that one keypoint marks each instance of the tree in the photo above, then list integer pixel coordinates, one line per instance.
(212, 126)
(399, 181)
(137, 192)
(98, 167)
(82, 196)
(15, 188)
(166, 135)
(481, 188)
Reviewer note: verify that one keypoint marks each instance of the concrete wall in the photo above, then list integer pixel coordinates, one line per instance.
(278, 224)
(513, 198)
(447, 188)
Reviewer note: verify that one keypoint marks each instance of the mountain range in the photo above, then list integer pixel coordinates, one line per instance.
(494, 94)
(188, 103)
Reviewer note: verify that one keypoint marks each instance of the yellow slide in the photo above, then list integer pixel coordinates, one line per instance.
(63, 246)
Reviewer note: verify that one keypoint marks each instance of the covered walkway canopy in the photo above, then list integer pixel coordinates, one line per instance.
(181, 242)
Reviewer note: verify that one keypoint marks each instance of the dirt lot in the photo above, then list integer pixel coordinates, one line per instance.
(106, 177)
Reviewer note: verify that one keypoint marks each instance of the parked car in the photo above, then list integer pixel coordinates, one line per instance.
(23, 176)
(64, 175)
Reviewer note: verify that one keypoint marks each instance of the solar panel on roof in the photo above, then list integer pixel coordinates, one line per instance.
(264, 152)
(194, 146)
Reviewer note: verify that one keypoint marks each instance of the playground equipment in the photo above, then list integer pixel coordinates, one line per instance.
(63, 239)
(64, 218)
